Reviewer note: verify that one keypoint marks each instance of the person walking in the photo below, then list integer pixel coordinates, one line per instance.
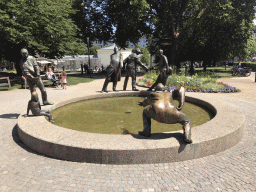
(64, 79)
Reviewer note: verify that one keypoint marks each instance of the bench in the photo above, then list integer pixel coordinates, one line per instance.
(5, 84)
(44, 80)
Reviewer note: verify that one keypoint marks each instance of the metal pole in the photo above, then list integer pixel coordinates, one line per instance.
(88, 46)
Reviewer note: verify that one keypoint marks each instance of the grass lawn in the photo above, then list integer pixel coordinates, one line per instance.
(216, 72)
(73, 78)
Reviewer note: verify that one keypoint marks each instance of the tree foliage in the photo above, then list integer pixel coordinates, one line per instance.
(93, 50)
(128, 19)
(42, 26)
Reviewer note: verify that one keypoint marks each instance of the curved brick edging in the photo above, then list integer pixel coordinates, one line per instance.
(222, 132)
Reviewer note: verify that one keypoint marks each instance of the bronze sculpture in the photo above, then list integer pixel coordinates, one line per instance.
(131, 63)
(31, 71)
(35, 107)
(163, 68)
(113, 70)
(163, 110)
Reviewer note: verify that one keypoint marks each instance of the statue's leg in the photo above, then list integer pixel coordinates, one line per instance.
(31, 86)
(158, 80)
(108, 77)
(126, 81)
(40, 85)
(133, 75)
(146, 123)
(164, 78)
(104, 89)
(186, 123)
(46, 113)
(114, 85)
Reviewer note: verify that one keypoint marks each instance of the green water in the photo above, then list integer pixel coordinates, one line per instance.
(118, 115)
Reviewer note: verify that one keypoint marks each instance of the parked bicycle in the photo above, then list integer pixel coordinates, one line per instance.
(246, 71)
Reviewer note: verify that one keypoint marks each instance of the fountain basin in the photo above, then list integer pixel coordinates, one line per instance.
(222, 132)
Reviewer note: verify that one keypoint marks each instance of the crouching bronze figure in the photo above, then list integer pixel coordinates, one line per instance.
(163, 110)
(35, 107)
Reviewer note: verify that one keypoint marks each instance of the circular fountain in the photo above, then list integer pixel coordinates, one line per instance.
(220, 133)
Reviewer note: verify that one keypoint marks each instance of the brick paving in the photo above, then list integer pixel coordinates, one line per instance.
(24, 170)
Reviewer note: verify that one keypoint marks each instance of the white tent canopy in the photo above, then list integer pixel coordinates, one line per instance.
(44, 62)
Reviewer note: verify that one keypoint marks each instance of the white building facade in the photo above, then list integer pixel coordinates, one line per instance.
(104, 54)
(142, 42)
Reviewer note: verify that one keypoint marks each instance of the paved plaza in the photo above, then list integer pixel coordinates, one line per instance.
(24, 170)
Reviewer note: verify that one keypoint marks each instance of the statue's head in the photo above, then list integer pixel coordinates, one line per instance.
(160, 52)
(160, 87)
(138, 51)
(24, 52)
(34, 96)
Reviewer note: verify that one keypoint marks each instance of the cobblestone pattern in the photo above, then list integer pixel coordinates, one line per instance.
(23, 170)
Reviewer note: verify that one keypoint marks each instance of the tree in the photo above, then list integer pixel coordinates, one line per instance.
(128, 18)
(91, 21)
(41, 26)
(93, 50)
(196, 29)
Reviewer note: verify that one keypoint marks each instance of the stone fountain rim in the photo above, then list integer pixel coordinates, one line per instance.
(218, 134)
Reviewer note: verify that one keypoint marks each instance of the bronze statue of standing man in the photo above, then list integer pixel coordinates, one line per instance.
(163, 68)
(113, 70)
(131, 63)
(31, 71)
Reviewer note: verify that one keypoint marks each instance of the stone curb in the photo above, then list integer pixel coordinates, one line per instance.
(222, 132)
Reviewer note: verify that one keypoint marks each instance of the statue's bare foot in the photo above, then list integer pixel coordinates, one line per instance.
(142, 133)
(188, 138)
(104, 91)
(135, 89)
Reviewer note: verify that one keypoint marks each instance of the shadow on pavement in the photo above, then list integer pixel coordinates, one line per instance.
(10, 116)
(157, 136)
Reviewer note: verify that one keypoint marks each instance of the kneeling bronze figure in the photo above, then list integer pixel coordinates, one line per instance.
(163, 110)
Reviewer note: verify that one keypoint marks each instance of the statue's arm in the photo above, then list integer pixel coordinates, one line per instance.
(141, 64)
(121, 60)
(36, 67)
(149, 100)
(125, 61)
(180, 95)
(28, 75)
